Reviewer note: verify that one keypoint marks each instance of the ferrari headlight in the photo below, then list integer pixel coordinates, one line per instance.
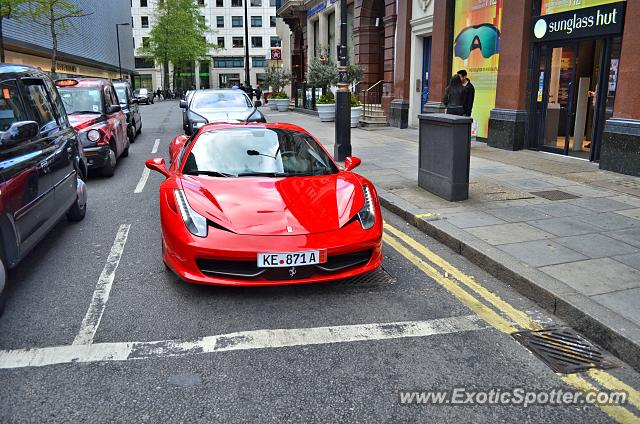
(195, 223)
(93, 135)
(367, 215)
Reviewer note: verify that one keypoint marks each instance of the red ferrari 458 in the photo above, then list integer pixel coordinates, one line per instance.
(264, 204)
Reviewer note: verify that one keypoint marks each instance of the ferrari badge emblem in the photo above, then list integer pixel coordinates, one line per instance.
(292, 271)
(289, 229)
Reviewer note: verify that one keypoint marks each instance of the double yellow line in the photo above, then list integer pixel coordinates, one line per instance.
(502, 315)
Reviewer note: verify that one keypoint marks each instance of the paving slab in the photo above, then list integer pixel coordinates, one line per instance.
(564, 227)
(541, 252)
(519, 214)
(610, 221)
(473, 219)
(509, 233)
(595, 276)
(596, 245)
(561, 209)
(630, 236)
(625, 302)
(600, 204)
(633, 260)
(631, 213)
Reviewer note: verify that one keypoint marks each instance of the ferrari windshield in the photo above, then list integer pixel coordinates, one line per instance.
(81, 100)
(270, 152)
(221, 100)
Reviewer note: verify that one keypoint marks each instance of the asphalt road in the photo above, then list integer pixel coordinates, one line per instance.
(155, 349)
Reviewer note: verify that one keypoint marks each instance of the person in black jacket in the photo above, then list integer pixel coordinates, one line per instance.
(470, 92)
(455, 96)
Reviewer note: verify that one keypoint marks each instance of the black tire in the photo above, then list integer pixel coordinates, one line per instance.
(125, 152)
(3, 285)
(77, 212)
(110, 167)
(139, 130)
(131, 134)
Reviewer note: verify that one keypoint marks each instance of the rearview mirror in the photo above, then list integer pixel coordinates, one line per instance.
(351, 162)
(157, 164)
(113, 109)
(183, 104)
(19, 132)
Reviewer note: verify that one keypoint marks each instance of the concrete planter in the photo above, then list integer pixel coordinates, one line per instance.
(356, 113)
(327, 113)
(283, 105)
(272, 104)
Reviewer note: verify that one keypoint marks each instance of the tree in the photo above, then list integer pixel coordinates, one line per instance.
(277, 78)
(9, 9)
(322, 74)
(55, 15)
(178, 36)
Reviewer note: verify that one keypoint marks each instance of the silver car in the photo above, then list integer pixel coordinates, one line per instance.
(143, 96)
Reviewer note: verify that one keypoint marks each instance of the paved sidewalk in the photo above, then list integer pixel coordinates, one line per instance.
(578, 256)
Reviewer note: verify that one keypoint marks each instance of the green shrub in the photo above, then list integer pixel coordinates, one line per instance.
(278, 95)
(326, 99)
(354, 101)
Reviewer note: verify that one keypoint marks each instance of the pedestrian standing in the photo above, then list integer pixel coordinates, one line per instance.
(470, 92)
(258, 92)
(454, 97)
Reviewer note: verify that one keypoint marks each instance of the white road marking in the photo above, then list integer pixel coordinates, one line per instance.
(143, 181)
(242, 340)
(155, 146)
(92, 319)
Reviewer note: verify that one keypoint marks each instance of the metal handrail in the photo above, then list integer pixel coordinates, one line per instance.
(367, 105)
(374, 86)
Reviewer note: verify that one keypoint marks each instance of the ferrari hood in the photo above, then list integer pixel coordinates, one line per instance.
(276, 206)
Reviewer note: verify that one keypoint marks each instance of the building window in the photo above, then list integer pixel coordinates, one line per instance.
(237, 41)
(236, 3)
(202, 20)
(221, 42)
(145, 42)
(256, 3)
(236, 21)
(200, 2)
(273, 3)
(275, 42)
(132, 22)
(134, 42)
(228, 62)
(143, 3)
(144, 20)
(144, 63)
(256, 21)
(256, 42)
(220, 21)
(258, 62)
(272, 21)
(219, 3)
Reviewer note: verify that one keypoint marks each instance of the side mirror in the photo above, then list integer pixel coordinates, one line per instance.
(19, 132)
(258, 103)
(176, 145)
(351, 162)
(157, 164)
(113, 109)
(183, 104)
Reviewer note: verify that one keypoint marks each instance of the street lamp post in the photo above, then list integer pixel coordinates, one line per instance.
(118, 41)
(342, 146)
(247, 74)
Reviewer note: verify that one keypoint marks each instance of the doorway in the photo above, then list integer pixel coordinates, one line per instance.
(573, 97)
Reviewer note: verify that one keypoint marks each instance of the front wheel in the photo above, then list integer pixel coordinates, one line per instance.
(110, 167)
(3, 285)
(78, 210)
(131, 134)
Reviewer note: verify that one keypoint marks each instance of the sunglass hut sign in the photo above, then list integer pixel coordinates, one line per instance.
(590, 22)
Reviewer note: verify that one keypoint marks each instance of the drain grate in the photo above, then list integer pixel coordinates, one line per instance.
(555, 195)
(375, 278)
(564, 350)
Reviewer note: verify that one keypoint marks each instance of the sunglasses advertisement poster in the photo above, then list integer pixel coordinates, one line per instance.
(559, 6)
(476, 49)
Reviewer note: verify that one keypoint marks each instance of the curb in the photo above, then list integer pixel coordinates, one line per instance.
(606, 328)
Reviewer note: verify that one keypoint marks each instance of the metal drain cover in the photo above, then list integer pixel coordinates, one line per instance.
(564, 350)
(555, 195)
(375, 278)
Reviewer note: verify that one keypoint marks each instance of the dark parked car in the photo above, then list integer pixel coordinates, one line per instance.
(143, 95)
(129, 105)
(187, 99)
(95, 112)
(42, 166)
(208, 106)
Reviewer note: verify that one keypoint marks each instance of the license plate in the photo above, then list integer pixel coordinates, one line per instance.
(281, 260)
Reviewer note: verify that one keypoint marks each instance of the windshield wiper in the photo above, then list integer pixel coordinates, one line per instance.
(210, 173)
(83, 112)
(263, 174)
